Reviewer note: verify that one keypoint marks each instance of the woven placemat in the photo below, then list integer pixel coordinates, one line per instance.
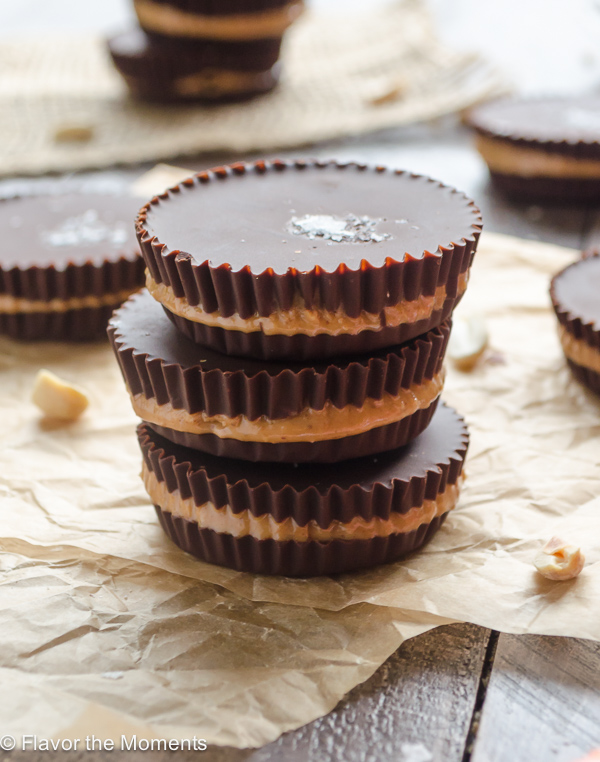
(345, 74)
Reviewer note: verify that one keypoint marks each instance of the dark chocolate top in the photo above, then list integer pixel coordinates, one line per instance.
(576, 290)
(560, 123)
(44, 231)
(319, 215)
(444, 440)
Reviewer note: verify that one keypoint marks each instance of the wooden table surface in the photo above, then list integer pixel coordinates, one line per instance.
(460, 692)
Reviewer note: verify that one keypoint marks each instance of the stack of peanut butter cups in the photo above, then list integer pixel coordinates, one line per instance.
(287, 362)
(207, 50)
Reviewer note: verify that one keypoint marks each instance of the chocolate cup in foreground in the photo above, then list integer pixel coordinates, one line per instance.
(227, 20)
(168, 68)
(66, 262)
(307, 259)
(267, 411)
(312, 520)
(574, 293)
(543, 149)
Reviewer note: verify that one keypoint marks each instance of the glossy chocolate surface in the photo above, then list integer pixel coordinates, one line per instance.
(561, 123)
(141, 324)
(577, 290)
(317, 216)
(55, 230)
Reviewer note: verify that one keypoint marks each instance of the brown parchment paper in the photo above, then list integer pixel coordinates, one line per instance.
(104, 621)
(344, 74)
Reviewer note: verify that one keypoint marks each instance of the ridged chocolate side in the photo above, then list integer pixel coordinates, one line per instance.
(368, 288)
(154, 56)
(223, 7)
(585, 376)
(88, 324)
(380, 439)
(482, 120)
(553, 190)
(73, 281)
(151, 88)
(579, 326)
(289, 558)
(314, 493)
(176, 371)
(302, 347)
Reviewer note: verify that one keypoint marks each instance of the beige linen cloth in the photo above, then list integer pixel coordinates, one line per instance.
(106, 627)
(344, 74)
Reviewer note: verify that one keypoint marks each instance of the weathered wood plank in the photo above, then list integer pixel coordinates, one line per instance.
(542, 702)
(416, 708)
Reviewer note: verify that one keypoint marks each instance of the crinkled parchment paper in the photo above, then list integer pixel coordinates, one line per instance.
(344, 74)
(108, 628)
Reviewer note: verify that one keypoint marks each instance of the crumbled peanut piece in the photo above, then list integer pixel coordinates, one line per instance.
(558, 560)
(468, 341)
(393, 91)
(74, 133)
(57, 398)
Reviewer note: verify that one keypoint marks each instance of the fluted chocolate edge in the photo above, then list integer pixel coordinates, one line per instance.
(585, 376)
(368, 288)
(301, 347)
(572, 323)
(289, 558)
(379, 439)
(568, 191)
(580, 149)
(310, 504)
(288, 393)
(85, 324)
(74, 280)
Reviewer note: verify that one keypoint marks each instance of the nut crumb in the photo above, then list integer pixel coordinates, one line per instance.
(559, 561)
(57, 398)
(74, 133)
(468, 341)
(394, 91)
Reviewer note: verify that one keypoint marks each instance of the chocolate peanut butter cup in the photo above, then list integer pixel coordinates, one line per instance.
(162, 68)
(218, 19)
(542, 149)
(307, 520)
(574, 292)
(66, 261)
(307, 259)
(268, 411)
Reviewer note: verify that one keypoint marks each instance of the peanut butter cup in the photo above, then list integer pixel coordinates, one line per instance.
(66, 261)
(162, 68)
(542, 149)
(218, 19)
(307, 520)
(574, 292)
(307, 259)
(268, 411)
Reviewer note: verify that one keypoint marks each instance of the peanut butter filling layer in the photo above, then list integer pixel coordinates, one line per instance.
(216, 81)
(580, 352)
(13, 305)
(299, 320)
(225, 521)
(310, 426)
(509, 159)
(244, 26)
